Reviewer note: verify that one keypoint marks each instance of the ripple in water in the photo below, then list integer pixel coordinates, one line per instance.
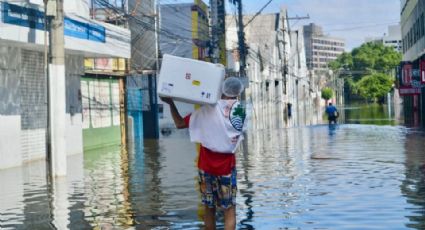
(318, 177)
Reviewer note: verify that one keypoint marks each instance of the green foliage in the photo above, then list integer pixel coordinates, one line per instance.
(374, 86)
(343, 61)
(365, 61)
(375, 56)
(327, 93)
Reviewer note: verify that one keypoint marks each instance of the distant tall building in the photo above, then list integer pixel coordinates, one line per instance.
(320, 49)
(392, 39)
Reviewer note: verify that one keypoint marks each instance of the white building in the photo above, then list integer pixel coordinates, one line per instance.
(279, 83)
(392, 38)
(23, 107)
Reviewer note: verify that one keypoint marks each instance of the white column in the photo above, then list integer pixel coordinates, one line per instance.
(60, 203)
(57, 118)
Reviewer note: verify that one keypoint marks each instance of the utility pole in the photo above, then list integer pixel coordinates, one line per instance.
(214, 36)
(241, 43)
(56, 88)
(218, 30)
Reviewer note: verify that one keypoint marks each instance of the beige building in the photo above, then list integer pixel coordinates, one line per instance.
(320, 49)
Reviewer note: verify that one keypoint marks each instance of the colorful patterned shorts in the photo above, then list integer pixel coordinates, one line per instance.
(218, 191)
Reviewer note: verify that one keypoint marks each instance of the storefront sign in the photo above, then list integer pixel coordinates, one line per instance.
(103, 63)
(75, 29)
(407, 74)
(422, 68)
(408, 91)
(22, 16)
(416, 84)
(33, 18)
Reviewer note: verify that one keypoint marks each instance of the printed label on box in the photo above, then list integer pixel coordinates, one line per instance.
(195, 82)
(167, 87)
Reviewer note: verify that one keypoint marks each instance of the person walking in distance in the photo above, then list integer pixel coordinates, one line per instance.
(218, 128)
(332, 113)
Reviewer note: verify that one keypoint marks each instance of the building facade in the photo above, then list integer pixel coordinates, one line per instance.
(184, 33)
(319, 48)
(281, 90)
(391, 39)
(411, 77)
(23, 107)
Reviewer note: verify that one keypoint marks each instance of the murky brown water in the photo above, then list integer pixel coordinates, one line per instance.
(348, 176)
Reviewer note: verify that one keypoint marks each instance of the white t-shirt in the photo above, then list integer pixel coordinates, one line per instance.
(218, 127)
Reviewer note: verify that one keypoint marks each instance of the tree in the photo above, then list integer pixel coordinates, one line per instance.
(343, 61)
(375, 86)
(366, 61)
(327, 93)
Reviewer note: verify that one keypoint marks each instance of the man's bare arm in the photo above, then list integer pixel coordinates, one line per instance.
(177, 118)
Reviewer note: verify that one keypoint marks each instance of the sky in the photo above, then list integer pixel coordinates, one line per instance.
(352, 20)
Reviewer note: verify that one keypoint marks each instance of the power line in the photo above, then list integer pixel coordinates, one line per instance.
(142, 23)
(259, 12)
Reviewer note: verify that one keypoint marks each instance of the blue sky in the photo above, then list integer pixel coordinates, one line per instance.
(353, 20)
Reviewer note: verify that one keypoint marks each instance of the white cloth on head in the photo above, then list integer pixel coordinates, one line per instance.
(218, 127)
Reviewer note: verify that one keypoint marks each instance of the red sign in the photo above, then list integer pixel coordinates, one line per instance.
(422, 69)
(408, 90)
(407, 74)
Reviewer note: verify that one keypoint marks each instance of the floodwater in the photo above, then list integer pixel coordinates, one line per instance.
(356, 175)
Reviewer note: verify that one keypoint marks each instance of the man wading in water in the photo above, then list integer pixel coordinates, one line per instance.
(218, 128)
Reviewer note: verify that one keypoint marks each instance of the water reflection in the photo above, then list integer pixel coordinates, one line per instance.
(345, 180)
(413, 186)
(345, 176)
(371, 114)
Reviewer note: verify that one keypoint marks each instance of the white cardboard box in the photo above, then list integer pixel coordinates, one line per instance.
(190, 80)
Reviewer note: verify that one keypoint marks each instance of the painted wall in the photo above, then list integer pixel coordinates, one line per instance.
(100, 112)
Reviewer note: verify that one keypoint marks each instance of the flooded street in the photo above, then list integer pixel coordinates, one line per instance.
(349, 176)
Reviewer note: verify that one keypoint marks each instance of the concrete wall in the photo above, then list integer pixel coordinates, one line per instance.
(277, 72)
(79, 7)
(410, 15)
(73, 71)
(176, 19)
(10, 120)
(143, 39)
(23, 108)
